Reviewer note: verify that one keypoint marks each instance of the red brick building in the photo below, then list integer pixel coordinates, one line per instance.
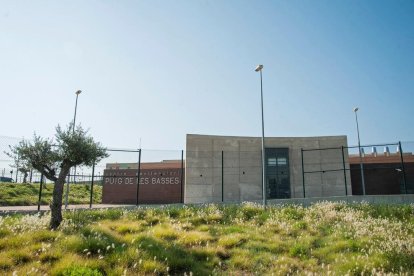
(160, 183)
(383, 174)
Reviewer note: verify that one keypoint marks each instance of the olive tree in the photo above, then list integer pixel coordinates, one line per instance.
(20, 165)
(54, 159)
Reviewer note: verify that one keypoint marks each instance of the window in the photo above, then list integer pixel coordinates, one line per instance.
(281, 161)
(271, 161)
(277, 173)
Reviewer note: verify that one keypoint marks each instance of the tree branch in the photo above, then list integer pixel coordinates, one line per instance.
(50, 171)
(45, 172)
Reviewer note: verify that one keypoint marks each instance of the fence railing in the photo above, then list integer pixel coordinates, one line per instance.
(228, 176)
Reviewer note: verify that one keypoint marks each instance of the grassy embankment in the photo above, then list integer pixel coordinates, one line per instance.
(15, 194)
(331, 238)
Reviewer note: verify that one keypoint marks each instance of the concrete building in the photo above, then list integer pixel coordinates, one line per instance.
(228, 168)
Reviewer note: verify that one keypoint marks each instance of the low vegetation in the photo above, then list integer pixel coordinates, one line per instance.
(333, 238)
(16, 194)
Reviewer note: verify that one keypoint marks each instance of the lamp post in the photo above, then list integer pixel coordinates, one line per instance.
(73, 130)
(76, 107)
(360, 152)
(259, 68)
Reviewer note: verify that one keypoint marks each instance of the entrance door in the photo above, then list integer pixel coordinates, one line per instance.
(277, 173)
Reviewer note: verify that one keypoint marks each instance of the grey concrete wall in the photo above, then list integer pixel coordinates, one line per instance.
(242, 167)
(372, 199)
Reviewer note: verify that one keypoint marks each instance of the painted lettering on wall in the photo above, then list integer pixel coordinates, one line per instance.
(147, 177)
(142, 181)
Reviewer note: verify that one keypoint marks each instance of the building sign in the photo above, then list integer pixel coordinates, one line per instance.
(157, 186)
(163, 177)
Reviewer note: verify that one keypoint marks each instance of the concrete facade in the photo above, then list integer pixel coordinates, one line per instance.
(352, 199)
(241, 173)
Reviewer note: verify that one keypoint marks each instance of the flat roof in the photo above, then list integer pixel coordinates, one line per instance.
(381, 158)
(164, 164)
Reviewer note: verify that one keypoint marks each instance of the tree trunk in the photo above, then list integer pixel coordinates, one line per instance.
(25, 177)
(56, 205)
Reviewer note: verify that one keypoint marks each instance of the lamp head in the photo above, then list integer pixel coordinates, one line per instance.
(78, 92)
(259, 68)
(356, 109)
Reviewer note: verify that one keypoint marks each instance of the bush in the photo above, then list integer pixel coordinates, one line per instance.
(81, 271)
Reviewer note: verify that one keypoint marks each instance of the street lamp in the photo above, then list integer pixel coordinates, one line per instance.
(360, 152)
(259, 68)
(73, 130)
(76, 107)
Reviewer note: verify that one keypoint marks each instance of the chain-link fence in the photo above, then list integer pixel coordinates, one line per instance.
(114, 179)
(199, 176)
(325, 172)
(377, 169)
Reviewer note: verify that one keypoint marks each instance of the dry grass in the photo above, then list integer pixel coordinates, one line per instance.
(328, 238)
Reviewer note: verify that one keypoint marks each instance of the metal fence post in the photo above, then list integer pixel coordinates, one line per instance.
(40, 192)
(139, 173)
(93, 174)
(182, 176)
(17, 169)
(303, 174)
(67, 192)
(403, 167)
(222, 176)
(343, 163)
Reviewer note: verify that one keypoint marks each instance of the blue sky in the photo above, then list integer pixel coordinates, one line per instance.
(157, 70)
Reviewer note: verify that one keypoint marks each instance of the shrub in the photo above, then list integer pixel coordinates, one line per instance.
(81, 271)
(299, 250)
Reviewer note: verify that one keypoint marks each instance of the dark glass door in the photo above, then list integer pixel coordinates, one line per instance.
(277, 173)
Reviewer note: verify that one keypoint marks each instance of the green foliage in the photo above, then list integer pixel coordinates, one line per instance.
(77, 147)
(81, 271)
(84, 217)
(72, 147)
(16, 194)
(20, 257)
(249, 211)
(6, 263)
(50, 257)
(386, 211)
(231, 240)
(396, 261)
(44, 236)
(292, 212)
(299, 250)
(333, 238)
(173, 212)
